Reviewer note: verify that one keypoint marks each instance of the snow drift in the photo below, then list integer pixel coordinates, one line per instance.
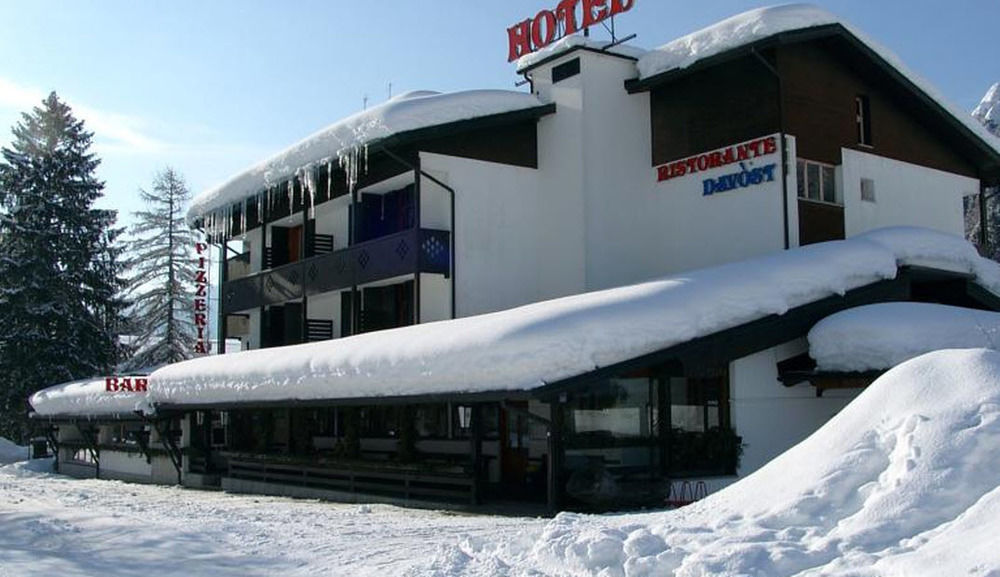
(904, 481)
(11, 453)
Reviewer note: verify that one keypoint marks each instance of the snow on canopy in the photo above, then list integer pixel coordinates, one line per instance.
(529, 346)
(880, 336)
(567, 43)
(762, 23)
(902, 481)
(88, 397)
(408, 111)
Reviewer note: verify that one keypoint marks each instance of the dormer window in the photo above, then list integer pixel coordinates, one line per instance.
(863, 119)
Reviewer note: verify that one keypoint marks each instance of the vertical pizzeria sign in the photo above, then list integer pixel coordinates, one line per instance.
(201, 345)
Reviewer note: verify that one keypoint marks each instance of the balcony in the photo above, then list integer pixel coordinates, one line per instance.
(407, 252)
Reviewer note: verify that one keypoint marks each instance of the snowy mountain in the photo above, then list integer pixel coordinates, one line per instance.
(988, 110)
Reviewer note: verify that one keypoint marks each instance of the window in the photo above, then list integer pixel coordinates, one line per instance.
(621, 408)
(817, 182)
(867, 190)
(863, 120)
(565, 70)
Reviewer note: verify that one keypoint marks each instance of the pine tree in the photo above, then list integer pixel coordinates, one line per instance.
(59, 269)
(162, 268)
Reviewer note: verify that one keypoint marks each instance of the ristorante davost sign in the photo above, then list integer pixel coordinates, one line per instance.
(548, 26)
(751, 163)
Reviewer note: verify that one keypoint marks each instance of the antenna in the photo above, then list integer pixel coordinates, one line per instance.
(364, 102)
(390, 90)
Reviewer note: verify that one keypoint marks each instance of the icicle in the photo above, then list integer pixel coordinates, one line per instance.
(329, 179)
(366, 158)
(243, 216)
(291, 193)
(311, 188)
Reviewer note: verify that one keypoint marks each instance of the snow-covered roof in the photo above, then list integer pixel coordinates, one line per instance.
(89, 397)
(761, 23)
(880, 336)
(529, 346)
(571, 42)
(403, 113)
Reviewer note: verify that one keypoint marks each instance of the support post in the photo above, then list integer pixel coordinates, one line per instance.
(173, 451)
(95, 451)
(304, 253)
(554, 481)
(476, 453)
(261, 328)
(984, 237)
(51, 436)
(451, 191)
(223, 274)
(784, 146)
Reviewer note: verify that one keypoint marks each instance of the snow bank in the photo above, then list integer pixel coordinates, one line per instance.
(11, 453)
(904, 481)
(762, 23)
(880, 336)
(409, 111)
(526, 347)
(567, 43)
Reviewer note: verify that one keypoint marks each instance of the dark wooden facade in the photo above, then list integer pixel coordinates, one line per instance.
(804, 83)
(820, 81)
(730, 103)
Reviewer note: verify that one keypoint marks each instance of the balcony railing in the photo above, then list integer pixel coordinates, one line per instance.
(407, 252)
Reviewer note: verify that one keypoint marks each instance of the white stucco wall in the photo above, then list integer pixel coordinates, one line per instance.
(333, 218)
(905, 194)
(326, 306)
(769, 416)
(253, 338)
(635, 228)
(435, 298)
(504, 228)
(127, 465)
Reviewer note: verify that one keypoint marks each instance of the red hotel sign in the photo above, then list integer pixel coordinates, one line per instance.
(201, 300)
(550, 25)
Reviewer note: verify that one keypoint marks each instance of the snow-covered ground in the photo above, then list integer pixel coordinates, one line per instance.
(57, 526)
(904, 481)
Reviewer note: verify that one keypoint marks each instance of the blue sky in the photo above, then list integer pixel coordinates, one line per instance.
(213, 87)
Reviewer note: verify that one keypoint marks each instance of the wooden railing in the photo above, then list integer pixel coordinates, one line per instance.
(400, 484)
